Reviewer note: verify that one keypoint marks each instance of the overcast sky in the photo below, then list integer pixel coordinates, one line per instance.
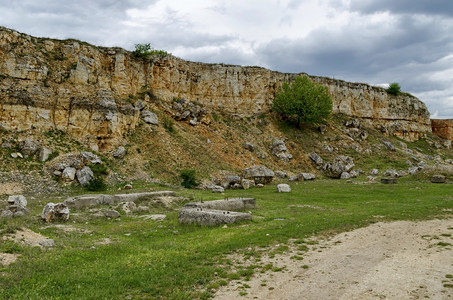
(372, 41)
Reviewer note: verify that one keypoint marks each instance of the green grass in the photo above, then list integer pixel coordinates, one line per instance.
(165, 260)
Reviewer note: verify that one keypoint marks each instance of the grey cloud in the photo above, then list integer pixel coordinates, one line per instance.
(424, 7)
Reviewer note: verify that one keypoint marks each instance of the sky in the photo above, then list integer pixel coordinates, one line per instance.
(371, 41)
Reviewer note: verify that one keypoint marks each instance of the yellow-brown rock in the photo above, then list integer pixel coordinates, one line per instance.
(443, 128)
(89, 92)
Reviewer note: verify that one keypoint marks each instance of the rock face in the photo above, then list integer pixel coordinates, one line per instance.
(443, 128)
(96, 94)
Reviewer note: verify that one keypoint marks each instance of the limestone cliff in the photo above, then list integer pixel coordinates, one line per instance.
(443, 128)
(90, 91)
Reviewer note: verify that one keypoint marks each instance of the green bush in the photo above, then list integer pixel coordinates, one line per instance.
(99, 169)
(303, 101)
(394, 89)
(189, 179)
(96, 184)
(145, 50)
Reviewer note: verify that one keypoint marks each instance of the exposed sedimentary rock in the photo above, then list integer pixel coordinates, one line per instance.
(96, 94)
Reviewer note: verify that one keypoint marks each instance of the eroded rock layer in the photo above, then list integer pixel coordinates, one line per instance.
(92, 92)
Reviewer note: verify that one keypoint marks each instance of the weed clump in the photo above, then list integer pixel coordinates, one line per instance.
(189, 179)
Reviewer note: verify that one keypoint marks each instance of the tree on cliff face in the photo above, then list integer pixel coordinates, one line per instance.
(303, 101)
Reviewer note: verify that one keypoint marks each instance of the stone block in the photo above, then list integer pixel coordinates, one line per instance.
(210, 217)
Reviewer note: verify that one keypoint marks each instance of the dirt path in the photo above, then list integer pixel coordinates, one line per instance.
(398, 260)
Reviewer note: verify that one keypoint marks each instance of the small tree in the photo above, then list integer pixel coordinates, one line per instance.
(394, 88)
(189, 179)
(303, 101)
(145, 50)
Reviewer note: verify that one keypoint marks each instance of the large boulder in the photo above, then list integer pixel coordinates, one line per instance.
(340, 164)
(307, 176)
(55, 212)
(120, 152)
(84, 175)
(260, 174)
(283, 188)
(438, 179)
(150, 117)
(29, 147)
(68, 174)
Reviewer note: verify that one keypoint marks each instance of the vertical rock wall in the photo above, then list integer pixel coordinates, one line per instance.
(90, 92)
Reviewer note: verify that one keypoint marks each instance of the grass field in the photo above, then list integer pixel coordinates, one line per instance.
(165, 260)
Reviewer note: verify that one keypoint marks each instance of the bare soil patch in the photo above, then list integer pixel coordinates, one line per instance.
(397, 260)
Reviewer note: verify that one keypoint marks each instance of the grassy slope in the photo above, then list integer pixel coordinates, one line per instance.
(168, 260)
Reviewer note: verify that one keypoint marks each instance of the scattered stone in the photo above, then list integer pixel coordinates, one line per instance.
(279, 149)
(389, 145)
(90, 158)
(341, 164)
(142, 208)
(280, 174)
(388, 180)
(391, 173)
(150, 117)
(84, 175)
(216, 189)
(316, 159)
(283, 188)
(68, 174)
(247, 183)
(354, 173)
(322, 128)
(193, 122)
(29, 147)
(438, 179)
(44, 154)
(13, 155)
(128, 186)
(413, 170)
(129, 207)
(120, 152)
(18, 200)
(225, 204)
(345, 175)
(307, 176)
(371, 179)
(154, 217)
(112, 214)
(402, 173)
(55, 212)
(352, 123)
(210, 217)
(294, 178)
(260, 174)
(403, 145)
(260, 185)
(139, 105)
(248, 146)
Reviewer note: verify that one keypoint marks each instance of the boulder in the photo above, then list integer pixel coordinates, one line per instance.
(294, 178)
(374, 172)
(216, 189)
(44, 154)
(388, 180)
(371, 179)
(248, 146)
(84, 175)
(120, 152)
(68, 173)
(389, 145)
(354, 173)
(90, 158)
(260, 174)
(391, 173)
(413, 170)
(247, 183)
(55, 212)
(307, 176)
(280, 174)
(150, 117)
(18, 200)
(345, 175)
(438, 179)
(316, 159)
(279, 149)
(341, 164)
(29, 147)
(129, 207)
(283, 188)
(112, 214)
(210, 217)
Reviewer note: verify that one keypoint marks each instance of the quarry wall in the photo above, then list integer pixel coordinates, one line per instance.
(91, 92)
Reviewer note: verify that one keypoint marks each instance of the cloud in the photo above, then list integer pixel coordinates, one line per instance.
(420, 7)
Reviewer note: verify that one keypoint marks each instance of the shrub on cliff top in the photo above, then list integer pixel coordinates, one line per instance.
(394, 89)
(303, 101)
(145, 50)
